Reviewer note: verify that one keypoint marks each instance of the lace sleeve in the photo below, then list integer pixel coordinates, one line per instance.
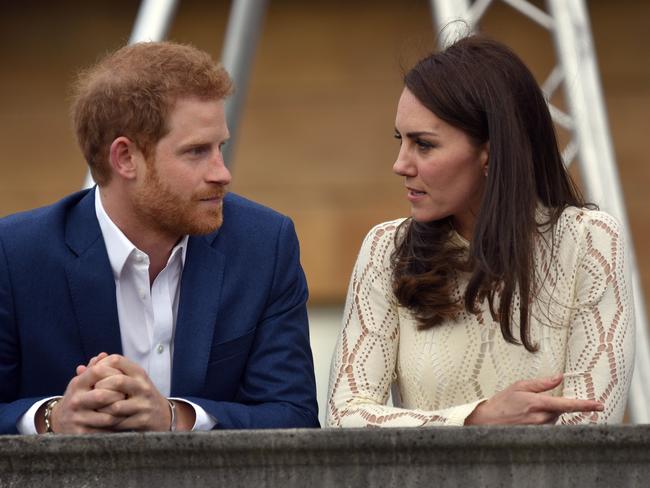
(363, 366)
(600, 349)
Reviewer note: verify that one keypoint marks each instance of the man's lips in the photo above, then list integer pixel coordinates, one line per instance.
(212, 202)
(211, 197)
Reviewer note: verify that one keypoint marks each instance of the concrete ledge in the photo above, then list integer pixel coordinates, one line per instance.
(432, 457)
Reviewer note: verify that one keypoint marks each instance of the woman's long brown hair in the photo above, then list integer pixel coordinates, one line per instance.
(481, 87)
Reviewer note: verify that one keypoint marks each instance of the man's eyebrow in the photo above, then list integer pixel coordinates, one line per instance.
(192, 145)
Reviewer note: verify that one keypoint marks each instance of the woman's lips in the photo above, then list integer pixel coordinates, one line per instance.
(413, 195)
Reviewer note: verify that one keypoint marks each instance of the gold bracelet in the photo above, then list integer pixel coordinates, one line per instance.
(48, 415)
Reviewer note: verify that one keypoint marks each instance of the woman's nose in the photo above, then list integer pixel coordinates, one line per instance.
(403, 165)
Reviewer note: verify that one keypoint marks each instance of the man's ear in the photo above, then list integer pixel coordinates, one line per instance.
(124, 156)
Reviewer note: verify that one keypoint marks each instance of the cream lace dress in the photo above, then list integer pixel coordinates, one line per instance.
(582, 321)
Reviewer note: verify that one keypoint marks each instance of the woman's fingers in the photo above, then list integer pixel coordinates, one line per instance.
(562, 405)
(526, 402)
(538, 385)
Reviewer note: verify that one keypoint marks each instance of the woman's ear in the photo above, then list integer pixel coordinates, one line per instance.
(123, 157)
(484, 157)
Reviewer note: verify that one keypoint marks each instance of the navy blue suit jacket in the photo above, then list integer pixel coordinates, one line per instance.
(241, 347)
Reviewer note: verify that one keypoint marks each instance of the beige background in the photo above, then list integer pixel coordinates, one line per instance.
(316, 142)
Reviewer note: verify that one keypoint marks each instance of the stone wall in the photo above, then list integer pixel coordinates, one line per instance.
(434, 457)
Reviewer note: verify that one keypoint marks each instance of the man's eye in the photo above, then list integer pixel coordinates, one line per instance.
(398, 137)
(198, 150)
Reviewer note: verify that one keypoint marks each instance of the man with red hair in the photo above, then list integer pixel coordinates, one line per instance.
(154, 301)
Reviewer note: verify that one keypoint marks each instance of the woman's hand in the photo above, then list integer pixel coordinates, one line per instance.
(523, 402)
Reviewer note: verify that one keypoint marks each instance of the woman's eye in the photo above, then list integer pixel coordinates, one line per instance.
(423, 145)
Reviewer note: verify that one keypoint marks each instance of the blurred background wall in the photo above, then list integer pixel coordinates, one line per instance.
(316, 139)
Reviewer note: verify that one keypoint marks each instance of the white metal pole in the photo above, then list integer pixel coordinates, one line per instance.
(242, 35)
(153, 20)
(598, 166)
(445, 14)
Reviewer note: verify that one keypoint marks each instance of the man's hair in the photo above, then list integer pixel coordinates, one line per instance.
(131, 92)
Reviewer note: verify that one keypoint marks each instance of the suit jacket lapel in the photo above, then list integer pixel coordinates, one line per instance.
(91, 282)
(201, 285)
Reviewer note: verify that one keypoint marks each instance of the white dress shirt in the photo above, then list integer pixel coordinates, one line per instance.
(146, 311)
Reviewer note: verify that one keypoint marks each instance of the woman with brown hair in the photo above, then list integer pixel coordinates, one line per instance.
(503, 299)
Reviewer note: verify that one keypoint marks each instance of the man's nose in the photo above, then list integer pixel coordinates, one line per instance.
(218, 172)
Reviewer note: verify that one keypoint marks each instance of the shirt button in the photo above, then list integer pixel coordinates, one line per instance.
(139, 258)
(160, 349)
(143, 294)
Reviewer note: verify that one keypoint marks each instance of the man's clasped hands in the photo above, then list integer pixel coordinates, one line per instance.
(112, 394)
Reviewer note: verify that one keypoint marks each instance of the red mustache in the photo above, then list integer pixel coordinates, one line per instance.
(211, 194)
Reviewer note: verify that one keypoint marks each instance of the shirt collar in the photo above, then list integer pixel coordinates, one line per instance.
(119, 247)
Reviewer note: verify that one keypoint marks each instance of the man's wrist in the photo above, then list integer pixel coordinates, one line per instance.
(185, 414)
(172, 411)
(48, 420)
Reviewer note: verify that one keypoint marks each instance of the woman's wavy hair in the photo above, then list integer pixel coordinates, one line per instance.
(481, 87)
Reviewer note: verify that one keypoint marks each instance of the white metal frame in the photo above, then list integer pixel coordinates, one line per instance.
(577, 70)
(242, 36)
(591, 143)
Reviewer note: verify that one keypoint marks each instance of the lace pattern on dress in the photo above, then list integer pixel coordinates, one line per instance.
(582, 319)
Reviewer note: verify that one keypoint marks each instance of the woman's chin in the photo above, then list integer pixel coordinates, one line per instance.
(424, 216)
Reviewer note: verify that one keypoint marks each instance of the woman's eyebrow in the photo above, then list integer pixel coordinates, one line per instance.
(416, 134)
